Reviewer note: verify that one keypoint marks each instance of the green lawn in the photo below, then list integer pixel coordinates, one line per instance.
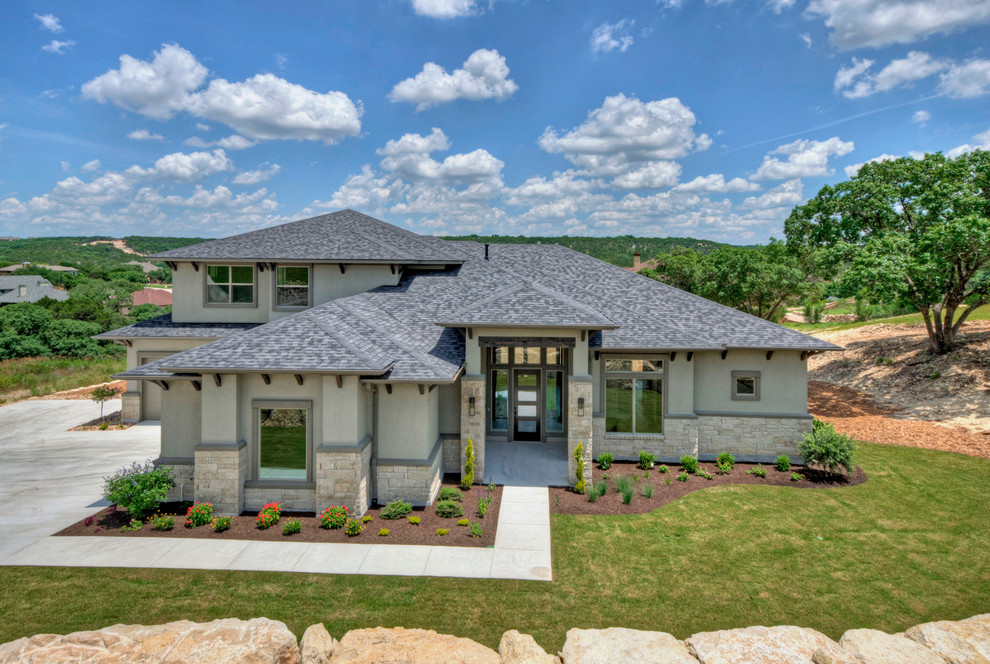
(36, 376)
(983, 313)
(908, 546)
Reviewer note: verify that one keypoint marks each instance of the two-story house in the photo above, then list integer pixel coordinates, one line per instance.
(341, 359)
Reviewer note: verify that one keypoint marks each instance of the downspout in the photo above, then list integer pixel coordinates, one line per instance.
(373, 464)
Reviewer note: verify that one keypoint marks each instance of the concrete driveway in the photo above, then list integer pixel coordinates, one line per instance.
(50, 477)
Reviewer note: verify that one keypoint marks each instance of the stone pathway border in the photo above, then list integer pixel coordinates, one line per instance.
(521, 551)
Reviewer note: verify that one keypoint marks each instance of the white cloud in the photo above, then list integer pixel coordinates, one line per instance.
(444, 8)
(806, 38)
(484, 75)
(610, 36)
(921, 117)
(262, 107)
(805, 158)
(784, 195)
(716, 184)
(855, 81)
(91, 166)
(182, 167)
(50, 22)
(144, 135)
(779, 6)
(65, 166)
(409, 157)
(852, 170)
(232, 142)
(971, 79)
(281, 60)
(108, 189)
(258, 176)
(981, 142)
(203, 127)
(365, 191)
(653, 175)
(876, 23)
(58, 47)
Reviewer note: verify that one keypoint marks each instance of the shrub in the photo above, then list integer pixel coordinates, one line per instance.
(783, 463)
(395, 510)
(367, 518)
(579, 468)
(726, 459)
(221, 523)
(663, 469)
(646, 460)
(443, 531)
(159, 522)
(462, 522)
(414, 520)
(135, 524)
(667, 481)
(828, 448)
(683, 477)
(484, 502)
(592, 496)
(199, 514)
(475, 529)
(622, 483)
(813, 310)
(104, 425)
(138, 488)
(334, 517)
(291, 527)
(383, 532)
(722, 469)
(467, 479)
(268, 516)
(704, 473)
(449, 493)
(796, 477)
(759, 471)
(601, 487)
(353, 527)
(689, 463)
(646, 489)
(627, 495)
(448, 509)
(605, 460)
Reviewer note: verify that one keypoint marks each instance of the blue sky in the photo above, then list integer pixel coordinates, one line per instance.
(538, 117)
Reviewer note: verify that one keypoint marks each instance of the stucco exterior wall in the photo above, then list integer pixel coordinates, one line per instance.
(408, 422)
(450, 407)
(181, 419)
(151, 349)
(329, 284)
(783, 382)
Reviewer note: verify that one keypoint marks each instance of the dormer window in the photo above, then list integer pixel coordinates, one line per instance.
(230, 285)
(292, 287)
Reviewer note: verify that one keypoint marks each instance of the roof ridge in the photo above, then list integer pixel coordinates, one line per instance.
(329, 331)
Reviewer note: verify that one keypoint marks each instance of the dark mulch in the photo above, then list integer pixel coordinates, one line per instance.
(565, 501)
(112, 421)
(107, 523)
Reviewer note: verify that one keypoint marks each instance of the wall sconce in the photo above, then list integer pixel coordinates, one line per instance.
(580, 406)
(471, 406)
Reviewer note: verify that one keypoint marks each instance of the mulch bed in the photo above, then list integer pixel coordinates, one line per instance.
(112, 421)
(565, 501)
(107, 523)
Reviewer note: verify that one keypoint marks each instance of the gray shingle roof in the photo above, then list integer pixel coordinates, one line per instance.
(527, 305)
(163, 327)
(346, 236)
(151, 371)
(35, 288)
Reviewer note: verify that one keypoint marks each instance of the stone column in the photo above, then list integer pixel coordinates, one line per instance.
(580, 429)
(343, 476)
(473, 426)
(130, 405)
(220, 470)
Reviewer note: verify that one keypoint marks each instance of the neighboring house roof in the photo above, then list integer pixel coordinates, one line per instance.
(34, 288)
(145, 266)
(162, 327)
(53, 268)
(345, 236)
(160, 297)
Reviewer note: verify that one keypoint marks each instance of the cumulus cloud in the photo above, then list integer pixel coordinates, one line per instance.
(91, 166)
(716, 184)
(779, 6)
(611, 36)
(876, 23)
(182, 167)
(970, 79)
(484, 75)
(852, 170)
(921, 117)
(58, 47)
(856, 81)
(444, 8)
(784, 195)
(264, 173)
(653, 175)
(980, 142)
(262, 107)
(144, 135)
(232, 142)
(50, 22)
(805, 158)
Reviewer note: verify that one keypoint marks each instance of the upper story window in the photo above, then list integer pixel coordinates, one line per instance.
(230, 284)
(292, 287)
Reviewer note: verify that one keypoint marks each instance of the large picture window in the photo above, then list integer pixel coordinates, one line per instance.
(230, 284)
(291, 287)
(282, 444)
(633, 395)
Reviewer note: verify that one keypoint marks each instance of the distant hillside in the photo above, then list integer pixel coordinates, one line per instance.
(616, 250)
(152, 245)
(73, 251)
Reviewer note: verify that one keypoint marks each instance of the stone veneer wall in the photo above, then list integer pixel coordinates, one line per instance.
(343, 476)
(751, 438)
(221, 469)
(295, 499)
(451, 452)
(416, 482)
(473, 427)
(183, 470)
(130, 407)
(680, 437)
(580, 429)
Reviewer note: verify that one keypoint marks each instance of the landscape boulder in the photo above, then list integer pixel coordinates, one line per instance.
(409, 646)
(963, 642)
(228, 641)
(516, 648)
(871, 646)
(765, 645)
(316, 646)
(618, 645)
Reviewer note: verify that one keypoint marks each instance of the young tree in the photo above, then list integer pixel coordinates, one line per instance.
(917, 229)
(103, 394)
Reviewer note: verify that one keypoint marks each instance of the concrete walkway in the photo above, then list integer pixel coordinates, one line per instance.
(526, 464)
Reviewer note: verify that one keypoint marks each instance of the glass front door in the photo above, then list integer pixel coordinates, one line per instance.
(526, 396)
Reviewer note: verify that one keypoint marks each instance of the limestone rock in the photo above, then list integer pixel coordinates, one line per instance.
(516, 648)
(963, 642)
(623, 646)
(316, 646)
(758, 645)
(409, 646)
(872, 646)
(257, 641)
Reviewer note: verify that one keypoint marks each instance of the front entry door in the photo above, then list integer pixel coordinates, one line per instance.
(526, 397)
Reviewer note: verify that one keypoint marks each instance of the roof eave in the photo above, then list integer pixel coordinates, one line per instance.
(514, 325)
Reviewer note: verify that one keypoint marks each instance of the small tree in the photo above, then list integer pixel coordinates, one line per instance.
(579, 469)
(827, 448)
(103, 394)
(467, 478)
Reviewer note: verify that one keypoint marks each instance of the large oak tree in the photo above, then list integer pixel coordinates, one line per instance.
(913, 229)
